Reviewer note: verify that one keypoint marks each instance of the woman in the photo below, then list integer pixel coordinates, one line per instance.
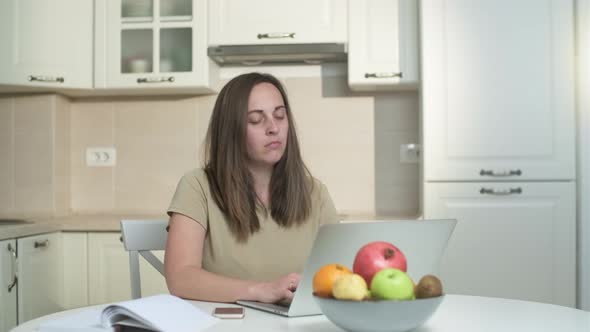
(242, 227)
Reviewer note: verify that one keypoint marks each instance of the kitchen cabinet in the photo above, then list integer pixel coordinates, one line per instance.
(108, 271)
(75, 269)
(382, 44)
(39, 275)
(512, 240)
(8, 297)
(498, 90)
(237, 22)
(154, 45)
(46, 43)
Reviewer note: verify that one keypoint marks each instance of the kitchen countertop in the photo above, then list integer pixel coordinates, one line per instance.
(111, 223)
(74, 223)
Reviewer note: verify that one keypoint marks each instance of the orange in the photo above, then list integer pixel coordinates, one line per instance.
(324, 278)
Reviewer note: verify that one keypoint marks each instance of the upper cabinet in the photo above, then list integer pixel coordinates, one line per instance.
(153, 44)
(46, 43)
(498, 90)
(238, 22)
(382, 44)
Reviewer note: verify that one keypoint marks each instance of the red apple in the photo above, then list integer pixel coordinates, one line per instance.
(376, 256)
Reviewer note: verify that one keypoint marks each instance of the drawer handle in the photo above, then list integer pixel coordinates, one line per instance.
(384, 75)
(12, 252)
(512, 172)
(511, 191)
(41, 244)
(49, 79)
(276, 35)
(169, 79)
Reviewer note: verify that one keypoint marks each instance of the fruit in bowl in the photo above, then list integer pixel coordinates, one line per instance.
(375, 256)
(324, 278)
(350, 287)
(390, 302)
(392, 284)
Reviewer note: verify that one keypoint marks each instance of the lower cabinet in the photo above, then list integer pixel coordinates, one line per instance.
(108, 271)
(512, 240)
(8, 301)
(39, 275)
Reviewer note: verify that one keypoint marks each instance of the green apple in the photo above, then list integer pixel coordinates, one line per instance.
(350, 287)
(392, 284)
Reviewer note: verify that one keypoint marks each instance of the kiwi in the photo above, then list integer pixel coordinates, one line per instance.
(428, 286)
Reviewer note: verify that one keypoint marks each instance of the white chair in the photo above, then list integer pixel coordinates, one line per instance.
(139, 238)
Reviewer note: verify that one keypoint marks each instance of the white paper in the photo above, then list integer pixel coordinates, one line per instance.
(165, 313)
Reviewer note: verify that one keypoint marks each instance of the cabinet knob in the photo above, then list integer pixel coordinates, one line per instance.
(384, 75)
(490, 191)
(49, 79)
(276, 35)
(512, 172)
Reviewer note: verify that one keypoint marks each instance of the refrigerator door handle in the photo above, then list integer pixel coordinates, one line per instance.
(12, 252)
(491, 191)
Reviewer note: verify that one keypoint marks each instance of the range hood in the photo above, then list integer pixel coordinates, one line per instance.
(277, 54)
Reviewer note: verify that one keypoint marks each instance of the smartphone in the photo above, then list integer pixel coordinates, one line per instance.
(229, 312)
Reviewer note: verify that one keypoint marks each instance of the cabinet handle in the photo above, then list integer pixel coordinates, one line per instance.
(384, 75)
(12, 252)
(511, 191)
(276, 35)
(41, 244)
(512, 172)
(49, 79)
(169, 79)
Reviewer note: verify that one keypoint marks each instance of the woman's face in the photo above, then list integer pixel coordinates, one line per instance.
(267, 127)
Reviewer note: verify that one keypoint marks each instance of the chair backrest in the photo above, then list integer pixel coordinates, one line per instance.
(139, 238)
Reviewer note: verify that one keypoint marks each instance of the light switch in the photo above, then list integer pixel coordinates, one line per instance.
(101, 157)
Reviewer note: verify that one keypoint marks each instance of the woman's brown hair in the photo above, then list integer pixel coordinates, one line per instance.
(231, 183)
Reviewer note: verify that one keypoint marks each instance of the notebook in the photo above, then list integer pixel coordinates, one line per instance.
(165, 313)
(423, 242)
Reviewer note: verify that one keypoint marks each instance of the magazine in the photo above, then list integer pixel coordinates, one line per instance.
(164, 313)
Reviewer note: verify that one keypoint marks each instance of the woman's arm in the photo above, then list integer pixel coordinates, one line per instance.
(186, 278)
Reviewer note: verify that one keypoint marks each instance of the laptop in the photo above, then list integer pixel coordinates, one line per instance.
(423, 242)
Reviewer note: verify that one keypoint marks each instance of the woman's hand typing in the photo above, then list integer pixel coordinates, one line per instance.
(280, 290)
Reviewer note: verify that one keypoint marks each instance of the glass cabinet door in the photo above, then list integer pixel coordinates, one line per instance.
(156, 36)
(153, 44)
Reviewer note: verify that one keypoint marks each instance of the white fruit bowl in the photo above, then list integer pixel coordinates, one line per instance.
(378, 316)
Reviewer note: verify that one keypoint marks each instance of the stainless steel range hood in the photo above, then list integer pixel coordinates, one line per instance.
(273, 54)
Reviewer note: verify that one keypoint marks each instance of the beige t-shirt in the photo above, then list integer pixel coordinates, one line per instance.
(268, 254)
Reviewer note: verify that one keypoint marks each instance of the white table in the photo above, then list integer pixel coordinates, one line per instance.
(457, 313)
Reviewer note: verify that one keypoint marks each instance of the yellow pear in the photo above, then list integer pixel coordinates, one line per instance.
(350, 287)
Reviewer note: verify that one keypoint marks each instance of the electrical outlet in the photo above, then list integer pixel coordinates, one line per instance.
(409, 153)
(101, 157)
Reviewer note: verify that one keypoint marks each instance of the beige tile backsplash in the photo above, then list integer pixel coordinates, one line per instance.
(349, 141)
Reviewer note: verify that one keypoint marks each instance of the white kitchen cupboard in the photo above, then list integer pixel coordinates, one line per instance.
(158, 45)
(8, 299)
(382, 44)
(46, 43)
(237, 22)
(497, 90)
(75, 269)
(518, 243)
(39, 275)
(108, 271)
